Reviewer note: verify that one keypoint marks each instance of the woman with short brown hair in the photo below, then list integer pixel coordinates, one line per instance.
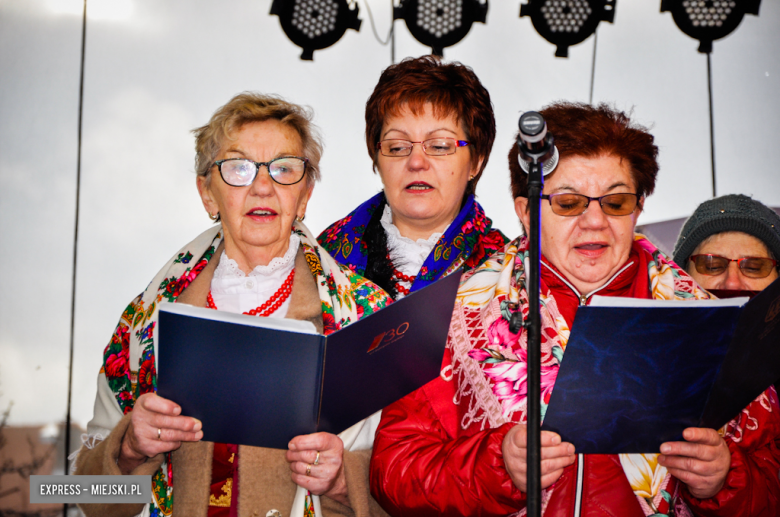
(429, 132)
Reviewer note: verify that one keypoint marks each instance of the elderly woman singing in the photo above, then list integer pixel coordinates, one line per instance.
(467, 428)
(429, 131)
(257, 162)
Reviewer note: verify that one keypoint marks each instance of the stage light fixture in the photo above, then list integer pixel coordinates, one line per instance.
(440, 23)
(567, 22)
(315, 24)
(708, 20)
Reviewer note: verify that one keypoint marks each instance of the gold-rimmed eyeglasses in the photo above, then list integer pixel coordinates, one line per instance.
(432, 147)
(751, 267)
(570, 205)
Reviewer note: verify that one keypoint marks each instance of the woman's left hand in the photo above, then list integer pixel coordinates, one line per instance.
(701, 462)
(316, 462)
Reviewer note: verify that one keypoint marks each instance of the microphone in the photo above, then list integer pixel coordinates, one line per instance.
(535, 144)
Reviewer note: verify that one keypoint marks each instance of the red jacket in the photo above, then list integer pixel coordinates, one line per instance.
(425, 463)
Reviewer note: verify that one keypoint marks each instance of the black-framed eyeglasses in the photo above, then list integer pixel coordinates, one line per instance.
(751, 267)
(569, 205)
(432, 147)
(240, 172)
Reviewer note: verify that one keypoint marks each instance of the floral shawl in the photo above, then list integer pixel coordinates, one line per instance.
(129, 359)
(489, 361)
(468, 241)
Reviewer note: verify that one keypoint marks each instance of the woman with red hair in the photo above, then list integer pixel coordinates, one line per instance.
(457, 446)
(429, 132)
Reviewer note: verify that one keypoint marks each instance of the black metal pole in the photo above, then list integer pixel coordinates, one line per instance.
(392, 33)
(534, 329)
(75, 249)
(712, 125)
(593, 64)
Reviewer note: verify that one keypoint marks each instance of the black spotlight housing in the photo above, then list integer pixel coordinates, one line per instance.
(567, 22)
(315, 24)
(708, 20)
(440, 23)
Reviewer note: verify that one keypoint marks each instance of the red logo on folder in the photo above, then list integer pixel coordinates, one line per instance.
(391, 336)
(376, 341)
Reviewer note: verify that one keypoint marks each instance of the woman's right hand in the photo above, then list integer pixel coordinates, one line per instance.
(556, 455)
(155, 426)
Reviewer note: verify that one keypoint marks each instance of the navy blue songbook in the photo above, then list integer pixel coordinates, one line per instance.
(634, 377)
(262, 381)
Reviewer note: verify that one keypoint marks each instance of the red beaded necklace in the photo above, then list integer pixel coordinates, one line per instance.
(400, 277)
(272, 304)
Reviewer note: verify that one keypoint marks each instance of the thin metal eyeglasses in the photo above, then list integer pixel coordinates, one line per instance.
(751, 267)
(432, 147)
(570, 205)
(241, 172)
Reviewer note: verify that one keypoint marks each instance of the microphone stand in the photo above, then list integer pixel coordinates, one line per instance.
(534, 330)
(535, 145)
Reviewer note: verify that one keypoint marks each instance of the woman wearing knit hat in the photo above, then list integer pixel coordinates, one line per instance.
(731, 243)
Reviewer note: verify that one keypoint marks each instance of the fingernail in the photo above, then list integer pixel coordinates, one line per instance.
(571, 449)
(198, 425)
(556, 439)
(665, 448)
(291, 446)
(177, 410)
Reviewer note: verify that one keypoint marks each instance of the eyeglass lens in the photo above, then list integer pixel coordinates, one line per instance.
(431, 147)
(751, 267)
(576, 204)
(241, 173)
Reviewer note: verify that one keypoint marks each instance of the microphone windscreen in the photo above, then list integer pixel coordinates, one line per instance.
(548, 166)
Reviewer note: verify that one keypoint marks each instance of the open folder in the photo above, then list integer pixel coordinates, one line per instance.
(637, 373)
(262, 381)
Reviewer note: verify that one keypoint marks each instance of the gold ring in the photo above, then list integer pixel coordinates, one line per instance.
(159, 432)
(317, 459)
(308, 470)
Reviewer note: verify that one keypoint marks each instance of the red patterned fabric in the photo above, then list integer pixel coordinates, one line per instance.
(751, 488)
(223, 499)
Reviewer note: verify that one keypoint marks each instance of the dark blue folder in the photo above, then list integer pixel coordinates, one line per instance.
(263, 386)
(633, 378)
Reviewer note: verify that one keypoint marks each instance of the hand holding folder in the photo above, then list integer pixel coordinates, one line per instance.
(702, 461)
(156, 426)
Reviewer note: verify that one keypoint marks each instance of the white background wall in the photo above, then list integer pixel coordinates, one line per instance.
(156, 69)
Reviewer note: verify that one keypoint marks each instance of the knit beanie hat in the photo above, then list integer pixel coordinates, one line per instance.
(732, 213)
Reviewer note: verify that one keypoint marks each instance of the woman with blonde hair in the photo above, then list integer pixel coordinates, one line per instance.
(257, 162)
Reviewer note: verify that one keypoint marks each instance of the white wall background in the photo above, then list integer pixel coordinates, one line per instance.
(157, 69)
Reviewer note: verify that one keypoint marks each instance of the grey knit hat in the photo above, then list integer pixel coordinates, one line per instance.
(732, 213)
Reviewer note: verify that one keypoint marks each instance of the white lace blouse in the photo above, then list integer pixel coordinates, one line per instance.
(407, 255)
(235, 291)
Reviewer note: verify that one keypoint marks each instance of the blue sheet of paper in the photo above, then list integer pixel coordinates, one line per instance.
(633, 378)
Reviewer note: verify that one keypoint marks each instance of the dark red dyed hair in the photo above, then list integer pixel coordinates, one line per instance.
(450, 88)
(590, 131)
